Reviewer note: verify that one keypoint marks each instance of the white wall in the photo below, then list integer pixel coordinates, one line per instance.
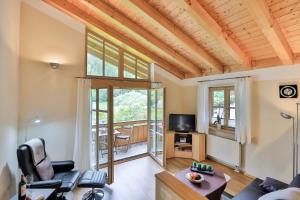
(44, 92)
(173, 98)
(270, 153)
(9, 51)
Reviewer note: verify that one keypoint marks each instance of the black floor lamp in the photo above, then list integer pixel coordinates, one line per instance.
(295, 138)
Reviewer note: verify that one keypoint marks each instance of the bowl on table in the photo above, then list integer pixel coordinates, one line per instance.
(194, 177)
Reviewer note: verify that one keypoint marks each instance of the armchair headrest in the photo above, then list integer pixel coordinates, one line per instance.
(37, 149)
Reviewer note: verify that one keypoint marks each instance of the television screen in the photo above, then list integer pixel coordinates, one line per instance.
(181, 122)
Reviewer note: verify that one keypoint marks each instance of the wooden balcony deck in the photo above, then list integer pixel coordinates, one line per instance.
(137, 144)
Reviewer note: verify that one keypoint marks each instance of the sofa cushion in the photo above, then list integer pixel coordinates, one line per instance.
(252, 191)
(291, 193)
(69, 180)
(271, 185)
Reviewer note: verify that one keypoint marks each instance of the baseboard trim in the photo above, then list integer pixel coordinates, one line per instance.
(221, 162)
(241, 170)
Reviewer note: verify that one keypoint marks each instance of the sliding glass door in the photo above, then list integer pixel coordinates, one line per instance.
(157, 124)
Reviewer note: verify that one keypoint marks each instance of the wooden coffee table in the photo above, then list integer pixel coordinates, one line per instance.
(212, 187)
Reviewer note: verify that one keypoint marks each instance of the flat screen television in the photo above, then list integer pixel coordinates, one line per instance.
(182, 123)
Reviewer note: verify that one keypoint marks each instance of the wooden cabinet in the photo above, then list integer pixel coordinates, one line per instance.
(169, 145)
(198, 147)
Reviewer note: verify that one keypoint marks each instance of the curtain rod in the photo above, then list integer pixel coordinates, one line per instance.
(78, 77)
(224, 79)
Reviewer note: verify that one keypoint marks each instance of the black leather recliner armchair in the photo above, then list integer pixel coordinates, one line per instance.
(64, 180)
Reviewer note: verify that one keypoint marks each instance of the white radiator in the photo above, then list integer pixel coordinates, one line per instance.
(224, 150)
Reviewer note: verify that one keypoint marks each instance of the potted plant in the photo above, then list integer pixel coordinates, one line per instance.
(218, 122)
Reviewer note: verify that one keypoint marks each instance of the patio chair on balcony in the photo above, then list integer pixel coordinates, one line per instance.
(124, 138)
(102, 141)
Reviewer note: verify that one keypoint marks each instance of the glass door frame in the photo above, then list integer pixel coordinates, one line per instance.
(163, 162)
(110, 147)
(110, 129)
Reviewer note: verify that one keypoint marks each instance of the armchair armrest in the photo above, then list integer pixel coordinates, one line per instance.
(62, 166)
(46, 184)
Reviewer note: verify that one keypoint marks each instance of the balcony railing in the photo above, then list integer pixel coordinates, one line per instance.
(139, 131)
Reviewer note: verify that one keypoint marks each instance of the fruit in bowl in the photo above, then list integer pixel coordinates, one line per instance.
(194, 177)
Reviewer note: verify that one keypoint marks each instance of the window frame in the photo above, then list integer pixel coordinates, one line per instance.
(119, 59)
(104, 42)
(226, 107)
(136, 67)
(121, 66)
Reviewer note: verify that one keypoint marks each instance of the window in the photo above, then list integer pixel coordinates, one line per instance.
(102, 57)
(129, 66)
(102, 107)
(222, 107)
(104, 60)
(94, 55)
(135, 68)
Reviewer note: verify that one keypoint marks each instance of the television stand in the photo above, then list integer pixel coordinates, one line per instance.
(185, 145)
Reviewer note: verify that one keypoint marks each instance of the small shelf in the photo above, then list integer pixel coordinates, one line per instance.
(186, 150)
(179, 144)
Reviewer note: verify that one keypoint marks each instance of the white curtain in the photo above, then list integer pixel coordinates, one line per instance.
(82, 145)
(202, 108)
(243, 87)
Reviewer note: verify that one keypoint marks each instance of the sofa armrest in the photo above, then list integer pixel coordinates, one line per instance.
(280, 185)
(62, 166)
(295, 182)
(46, 184)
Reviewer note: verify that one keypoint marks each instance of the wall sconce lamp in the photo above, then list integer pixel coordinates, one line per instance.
(54, 65)
(29, 124)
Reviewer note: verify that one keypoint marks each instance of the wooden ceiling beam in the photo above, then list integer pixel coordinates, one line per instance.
(172, 28)
(270, 28)
(130, 24)
(88, 16)
(261, 63)
(209, 24)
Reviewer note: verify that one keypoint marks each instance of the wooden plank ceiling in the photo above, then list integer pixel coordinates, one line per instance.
(191, 38)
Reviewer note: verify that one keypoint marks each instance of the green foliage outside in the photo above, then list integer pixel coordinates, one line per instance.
(218, 101)
(130, 105)
(218, 98)
(95, 67)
